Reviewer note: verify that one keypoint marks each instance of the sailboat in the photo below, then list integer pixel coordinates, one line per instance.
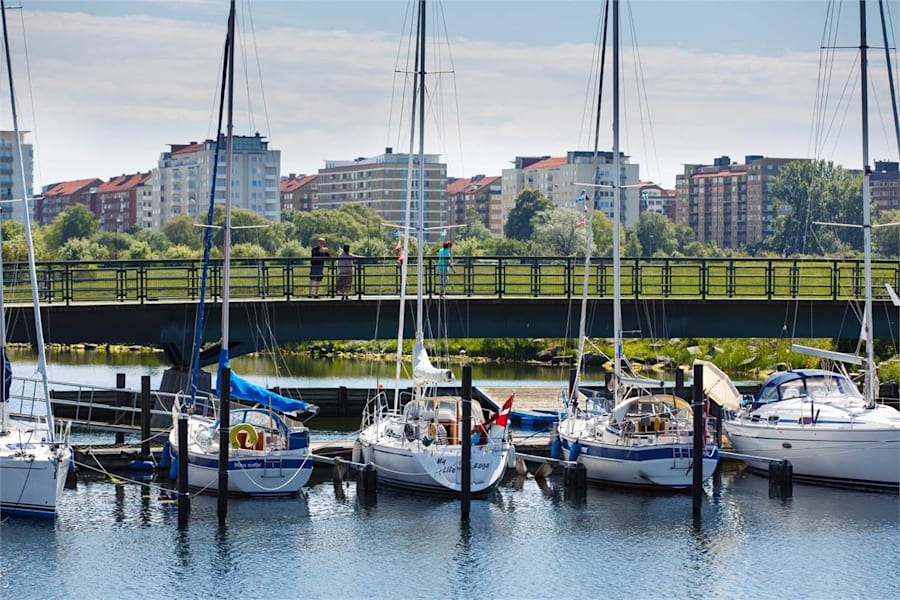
(643, 440)
(417, 446)
(269, 452)
(34, 458)
(816, 418)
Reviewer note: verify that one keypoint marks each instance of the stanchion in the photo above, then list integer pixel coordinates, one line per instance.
(697, 460)
(224, 443)
(465, 492)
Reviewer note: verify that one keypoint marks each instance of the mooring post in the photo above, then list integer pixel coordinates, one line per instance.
(679, 383)
(224, 444)
(184, 501)
(465, 492)
(120, 401)
(781, 479)
(367, 484)
(145, 417)
(342, 401)
(699, 441)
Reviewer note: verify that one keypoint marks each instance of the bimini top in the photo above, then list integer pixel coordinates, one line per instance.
(802, 383)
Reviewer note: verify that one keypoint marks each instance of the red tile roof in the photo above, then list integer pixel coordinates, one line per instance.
(548, 163)
(123, 183)
(458, 186)
(292, 183)
(70, 188)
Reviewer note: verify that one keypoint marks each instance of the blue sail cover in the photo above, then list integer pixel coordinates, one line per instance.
(241, 389)
(7, 376)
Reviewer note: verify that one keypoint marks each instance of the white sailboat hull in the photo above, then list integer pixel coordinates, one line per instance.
(432, 469)
(254, 473)
(855, 456)
(32, 473)
(661, 466)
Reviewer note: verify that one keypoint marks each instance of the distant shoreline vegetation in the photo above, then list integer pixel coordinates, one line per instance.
(753, 358)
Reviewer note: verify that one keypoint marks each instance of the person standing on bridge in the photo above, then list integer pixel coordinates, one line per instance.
(345, 272)
(445, 265)
(316, 266)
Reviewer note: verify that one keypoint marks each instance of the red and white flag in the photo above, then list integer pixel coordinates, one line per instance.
(496, 425)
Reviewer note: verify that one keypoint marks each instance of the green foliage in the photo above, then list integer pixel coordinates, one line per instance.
(180, 230)
(887, 239)
(83, 249)
(293, 249)
(246, 250)
(656, 234)
(349, 224)
(810, 192)
(528, 203)
(559, 232)
(474, 229)
(75, 222)
(180, 251)
(139, 250)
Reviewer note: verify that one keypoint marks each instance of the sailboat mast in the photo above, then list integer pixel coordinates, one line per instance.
(229, 149)
(617, 243)
(420, 196)
(869, 390)
(32, 270)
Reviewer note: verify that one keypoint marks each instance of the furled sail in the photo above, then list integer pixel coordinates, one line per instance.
(424, 372)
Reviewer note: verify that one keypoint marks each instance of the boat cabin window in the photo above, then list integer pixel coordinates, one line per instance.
(830, 385)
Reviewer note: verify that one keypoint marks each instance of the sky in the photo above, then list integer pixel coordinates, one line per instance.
(106, 86)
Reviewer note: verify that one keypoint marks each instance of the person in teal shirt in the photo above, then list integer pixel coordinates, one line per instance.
(445, 264)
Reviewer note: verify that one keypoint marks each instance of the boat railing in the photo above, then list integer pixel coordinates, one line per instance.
(376, 407)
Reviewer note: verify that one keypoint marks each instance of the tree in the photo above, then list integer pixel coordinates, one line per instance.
(519, 222)
(82, 248)
(474, 229)
(560, 232)
(75, 222)
(180, 230)
(809, 192)
(887, 239)
(656, 234)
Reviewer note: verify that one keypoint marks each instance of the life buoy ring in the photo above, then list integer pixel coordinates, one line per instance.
(250, 439)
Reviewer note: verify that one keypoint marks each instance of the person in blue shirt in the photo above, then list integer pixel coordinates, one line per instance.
(445, 264)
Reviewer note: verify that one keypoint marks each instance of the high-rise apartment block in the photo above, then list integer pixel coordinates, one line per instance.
(657, 199)
(562, 179)
(728, 203)
(479, 193)
(11, 180)
(380, 183)
(186, 171)
(116, 205)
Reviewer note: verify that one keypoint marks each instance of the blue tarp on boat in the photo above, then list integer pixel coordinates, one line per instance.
(241, 389)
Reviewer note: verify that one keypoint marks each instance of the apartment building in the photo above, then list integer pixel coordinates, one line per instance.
(380, 182)
(884, 183)
(298, 192)
(480, 193)
(57, 197)
(657, 199)
(11, 179)
(728, 203)
(186, 171)
(117, 201)
(562, 179)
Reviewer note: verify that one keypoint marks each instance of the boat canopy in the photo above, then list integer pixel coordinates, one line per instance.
(440, 408)
(816, 383)
(241, 389)
(641, 406)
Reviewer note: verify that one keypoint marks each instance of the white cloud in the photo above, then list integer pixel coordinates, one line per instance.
(112, 92)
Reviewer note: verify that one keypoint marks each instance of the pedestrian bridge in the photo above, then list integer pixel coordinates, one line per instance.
(155, 303)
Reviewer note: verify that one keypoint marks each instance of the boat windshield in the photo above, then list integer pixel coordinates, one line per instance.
(448, 408)
(824, 386)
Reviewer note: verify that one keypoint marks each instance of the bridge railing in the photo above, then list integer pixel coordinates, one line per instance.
(544, 276)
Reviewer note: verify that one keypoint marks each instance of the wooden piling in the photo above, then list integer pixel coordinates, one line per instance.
(145, 417)
(120, 401)
(781, 479)
(699, 441)
(465, 492)
(184, 501)
(224, 444)
(342, 401)
(573, 385)
(679, 383)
